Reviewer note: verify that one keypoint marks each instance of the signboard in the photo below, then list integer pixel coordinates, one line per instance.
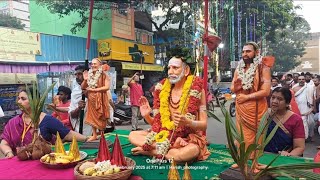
(19, 78)
(7, 78)
(145, 67)
(19, 45)
(25, 78)
(8, 96)
(122, 50)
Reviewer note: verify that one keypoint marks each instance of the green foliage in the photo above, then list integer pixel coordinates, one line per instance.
(183, 16)
(290, 45)
(36, 102)
(10, 21)
(241, 154)
(281, 31)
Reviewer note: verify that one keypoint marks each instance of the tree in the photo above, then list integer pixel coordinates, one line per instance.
(9, 21)
(272, 24)
(290, 45)
(177, 12)
(66, 7)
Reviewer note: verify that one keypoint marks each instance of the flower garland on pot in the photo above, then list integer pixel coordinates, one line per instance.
(163, 126)
(248, 76)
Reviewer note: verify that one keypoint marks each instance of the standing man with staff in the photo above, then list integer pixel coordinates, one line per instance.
(251, 84)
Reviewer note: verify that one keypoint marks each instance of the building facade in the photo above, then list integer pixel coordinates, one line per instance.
(18, 9)
(310, 62)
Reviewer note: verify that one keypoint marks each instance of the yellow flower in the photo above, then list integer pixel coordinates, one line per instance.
(162, 136)
(164, 103)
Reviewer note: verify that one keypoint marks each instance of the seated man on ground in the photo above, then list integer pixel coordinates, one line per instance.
(289, 139)
(177, 112)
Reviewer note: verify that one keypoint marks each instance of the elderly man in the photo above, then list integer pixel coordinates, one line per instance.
(96, 83)
(251, 84)
(179, 113)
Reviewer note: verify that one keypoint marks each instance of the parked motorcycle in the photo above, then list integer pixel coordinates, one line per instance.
(219, 97)
(123, 114)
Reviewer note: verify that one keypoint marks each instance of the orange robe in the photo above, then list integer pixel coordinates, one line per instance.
(293, 104)
(97, 106)
(247, 114)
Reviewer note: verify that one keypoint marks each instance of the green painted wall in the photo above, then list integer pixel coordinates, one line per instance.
(41, 20)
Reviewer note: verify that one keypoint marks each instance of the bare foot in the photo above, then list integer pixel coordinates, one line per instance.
(262, 166)
(92, 138)
(256, 171)
(139, 151)
(180, 142)
(234, 166)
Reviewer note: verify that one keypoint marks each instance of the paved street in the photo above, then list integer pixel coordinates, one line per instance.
(216, 133)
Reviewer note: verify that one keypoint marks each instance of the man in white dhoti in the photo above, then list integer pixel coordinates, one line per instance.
(304, 99)
(77, 104)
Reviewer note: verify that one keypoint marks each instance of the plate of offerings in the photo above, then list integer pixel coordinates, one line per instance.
(62, 161)
(111, 166)
(91, 169)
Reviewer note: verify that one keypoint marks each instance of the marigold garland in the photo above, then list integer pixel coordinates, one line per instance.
(162, 136)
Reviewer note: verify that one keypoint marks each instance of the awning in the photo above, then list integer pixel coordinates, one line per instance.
(145, 67)
(37, 67)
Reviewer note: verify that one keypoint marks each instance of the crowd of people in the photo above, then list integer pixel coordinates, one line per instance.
(178, 117)
(305, 91)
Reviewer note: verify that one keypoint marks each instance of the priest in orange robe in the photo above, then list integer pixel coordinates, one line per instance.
(251, 84)
(96, 83)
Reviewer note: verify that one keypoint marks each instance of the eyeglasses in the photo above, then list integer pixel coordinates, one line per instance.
(301, 79)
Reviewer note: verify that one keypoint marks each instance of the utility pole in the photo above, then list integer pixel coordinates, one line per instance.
(86, 62)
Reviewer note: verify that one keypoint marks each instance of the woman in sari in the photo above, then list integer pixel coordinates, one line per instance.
(18, 131)
(289, 139)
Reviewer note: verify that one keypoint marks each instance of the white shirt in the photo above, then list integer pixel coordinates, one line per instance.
(272, 88)
(76, 96)
(1, 112)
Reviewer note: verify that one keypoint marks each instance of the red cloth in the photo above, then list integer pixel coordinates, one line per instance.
(293, 104)
(295, 126)
(32, 169)
(63, 116)
(317, 160)
(135, 93)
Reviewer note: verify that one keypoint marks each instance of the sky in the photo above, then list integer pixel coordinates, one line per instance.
(311, 12)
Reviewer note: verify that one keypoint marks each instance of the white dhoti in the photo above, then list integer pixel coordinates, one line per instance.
(76, 96)
(306, 111)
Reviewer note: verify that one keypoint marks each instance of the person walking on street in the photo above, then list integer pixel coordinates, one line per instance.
(135, 94)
